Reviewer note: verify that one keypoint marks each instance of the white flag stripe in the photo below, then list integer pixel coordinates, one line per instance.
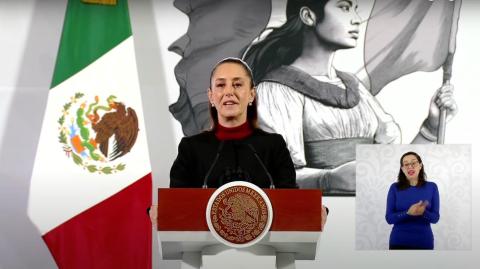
(60, 189)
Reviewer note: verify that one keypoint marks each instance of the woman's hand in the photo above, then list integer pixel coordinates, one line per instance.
(417, 209)
(442, 99)
(153, 213)
(324, 216)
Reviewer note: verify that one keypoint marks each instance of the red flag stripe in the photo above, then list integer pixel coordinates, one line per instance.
(116, 233)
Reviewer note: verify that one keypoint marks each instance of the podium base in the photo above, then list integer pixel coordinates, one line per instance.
(221, 256)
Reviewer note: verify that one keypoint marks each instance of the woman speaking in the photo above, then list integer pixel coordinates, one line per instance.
(234, 148)
(412, 204)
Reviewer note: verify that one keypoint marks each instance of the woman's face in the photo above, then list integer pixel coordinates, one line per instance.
(411, 167)
(340, 25)
(230, 93)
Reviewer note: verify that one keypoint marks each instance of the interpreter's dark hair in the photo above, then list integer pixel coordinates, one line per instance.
(283, 45)
(252, 113)
(402, 181)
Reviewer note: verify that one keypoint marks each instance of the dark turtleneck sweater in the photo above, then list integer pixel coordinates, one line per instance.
(236, 161)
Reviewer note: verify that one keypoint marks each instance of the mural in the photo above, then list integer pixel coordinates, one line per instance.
(322, 112)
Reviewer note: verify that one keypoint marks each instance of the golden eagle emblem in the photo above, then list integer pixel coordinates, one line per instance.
(239, 215)
(98, 132)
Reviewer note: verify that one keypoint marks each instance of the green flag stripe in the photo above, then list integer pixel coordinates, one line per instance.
(89, 31)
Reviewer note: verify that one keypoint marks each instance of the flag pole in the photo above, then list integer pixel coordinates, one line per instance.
(447, 69)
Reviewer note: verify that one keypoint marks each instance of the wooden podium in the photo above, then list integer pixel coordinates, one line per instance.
(183, 233)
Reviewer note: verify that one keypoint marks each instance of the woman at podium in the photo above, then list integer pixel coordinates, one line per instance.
(234, 148)
(412, 204)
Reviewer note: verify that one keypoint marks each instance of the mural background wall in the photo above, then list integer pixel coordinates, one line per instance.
(29, 35)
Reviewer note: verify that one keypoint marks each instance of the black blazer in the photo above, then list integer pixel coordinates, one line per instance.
(237, 161)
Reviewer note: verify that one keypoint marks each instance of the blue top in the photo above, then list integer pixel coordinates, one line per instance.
(412, 231)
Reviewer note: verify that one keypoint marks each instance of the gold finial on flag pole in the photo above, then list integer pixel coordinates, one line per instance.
(101, 2)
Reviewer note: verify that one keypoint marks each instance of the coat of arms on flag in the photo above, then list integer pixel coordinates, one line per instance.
(92, 182)
(96, 133)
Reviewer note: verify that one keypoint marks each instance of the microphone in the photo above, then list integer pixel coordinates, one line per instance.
(220, 147)
(272, 186)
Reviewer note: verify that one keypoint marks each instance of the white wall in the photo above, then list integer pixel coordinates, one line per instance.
(29, 36)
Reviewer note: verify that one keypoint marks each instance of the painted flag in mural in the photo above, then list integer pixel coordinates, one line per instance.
(406, 36)
(201, 48)
(91, 182)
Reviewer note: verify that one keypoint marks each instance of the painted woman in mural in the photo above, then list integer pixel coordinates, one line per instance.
(324, 113)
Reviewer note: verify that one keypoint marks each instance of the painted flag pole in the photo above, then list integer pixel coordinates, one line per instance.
(447, 69)
(92, 182)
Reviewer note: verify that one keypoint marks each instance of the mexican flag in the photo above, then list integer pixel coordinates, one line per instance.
(91, 182)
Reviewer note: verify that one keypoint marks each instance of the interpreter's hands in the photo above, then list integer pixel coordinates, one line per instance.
(413, 210)
(442, 99)
(153, 213)
(342, 178)
(417, 209)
